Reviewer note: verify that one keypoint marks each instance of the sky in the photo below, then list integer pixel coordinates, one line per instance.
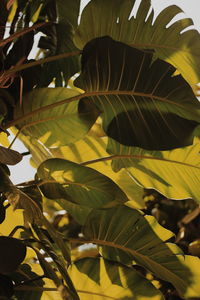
(23, 171)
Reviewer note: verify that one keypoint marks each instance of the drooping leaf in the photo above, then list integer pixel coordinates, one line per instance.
(48, 117)
(9, 156)
(112, 18)
(142, 103)
(78, 184)
(12, 253)
(96, 279)
(175, 173)
(126, 235)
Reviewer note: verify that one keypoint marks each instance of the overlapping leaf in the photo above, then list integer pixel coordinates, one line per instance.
(98, 279)
(112, 18)
(48, 117)
(175, 173)
(126, 235)
(142, 103)
(78, 184)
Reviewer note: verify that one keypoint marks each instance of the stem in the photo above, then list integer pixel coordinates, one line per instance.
(42, 289)
(105, 158)
(22, 32)
(31, 280)
(40, 62)
(16, 136)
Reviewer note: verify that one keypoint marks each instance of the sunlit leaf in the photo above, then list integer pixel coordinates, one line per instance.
(142, 103)
(175, 173)
(126, 235)
(78, 184)
(12, 253)
(4, 141)
(112, 18)
(47, 116)
(96, 278)
(87, 151)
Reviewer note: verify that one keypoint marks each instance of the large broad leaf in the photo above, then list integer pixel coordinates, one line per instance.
(47, 116)
(112, 18)
(96, 279)
(78, 184)
(126, 235)
(142, 103)
(175, 173)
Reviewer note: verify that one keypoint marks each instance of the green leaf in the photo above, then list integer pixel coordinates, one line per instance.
(12, 253)
(112, 18)
(9, 156)
(84, 152)
(90, 149)
(59, 40)
(142, 103)
(68, 10)
(48, 117)
(126, 235)
(175, 173)
(96, 278)
(78, 184)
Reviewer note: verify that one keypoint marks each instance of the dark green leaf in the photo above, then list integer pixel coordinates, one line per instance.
(12, 254)
(2, 212)
(142, 103)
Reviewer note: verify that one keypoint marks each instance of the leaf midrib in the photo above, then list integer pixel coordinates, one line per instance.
(128, 156)
(136, 254)
(91, 94)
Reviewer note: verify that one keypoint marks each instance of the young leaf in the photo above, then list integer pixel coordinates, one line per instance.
(47, 116)
(78, 184)
(112, 18)
(175, 173)
(99, 279)
(142, 103)
(126, 235)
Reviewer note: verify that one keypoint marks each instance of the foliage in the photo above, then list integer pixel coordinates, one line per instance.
(108, 113)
